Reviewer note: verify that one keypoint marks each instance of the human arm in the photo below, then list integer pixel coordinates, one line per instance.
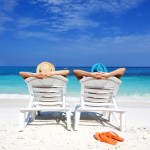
(99, 75)
(42, 75)
(30, 74)
(118, 73)
(81, 73)
(60, 72)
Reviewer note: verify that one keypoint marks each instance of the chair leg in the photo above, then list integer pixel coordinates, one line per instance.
(68, 116)
(110, 116)
(114, 118)
(21, 121)
(76, 120)
(33, 113)
(122, 121)
(107, 115)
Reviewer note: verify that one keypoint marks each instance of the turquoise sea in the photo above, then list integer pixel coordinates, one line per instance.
(135, 82)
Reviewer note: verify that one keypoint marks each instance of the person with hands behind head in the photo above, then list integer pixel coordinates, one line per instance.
(99, 71)
(44, 70)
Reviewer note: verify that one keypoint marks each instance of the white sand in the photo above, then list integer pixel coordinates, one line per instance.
(46, 134)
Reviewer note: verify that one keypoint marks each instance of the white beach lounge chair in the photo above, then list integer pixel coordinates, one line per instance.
(47, 94)
(99, 96)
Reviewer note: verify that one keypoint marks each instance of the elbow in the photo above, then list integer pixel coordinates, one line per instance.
(67, 72)
(122, 71)
(20, 73)
(75, 71)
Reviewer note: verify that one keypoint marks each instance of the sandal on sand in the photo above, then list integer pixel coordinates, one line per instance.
(104, 138)
(96, 136)
(114, 136)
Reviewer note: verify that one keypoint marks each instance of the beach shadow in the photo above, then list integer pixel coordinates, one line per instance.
(49, 118)
(59, 118)
(94, 119)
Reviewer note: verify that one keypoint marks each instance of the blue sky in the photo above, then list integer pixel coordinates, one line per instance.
(75, 32)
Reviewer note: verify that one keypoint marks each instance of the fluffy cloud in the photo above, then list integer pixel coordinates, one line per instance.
(63, 15)
(6, 8)
(74, 14)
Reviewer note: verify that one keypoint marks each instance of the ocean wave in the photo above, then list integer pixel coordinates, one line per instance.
(14, 96)
(135, 97)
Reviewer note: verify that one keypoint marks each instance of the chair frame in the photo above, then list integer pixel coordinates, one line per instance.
(106, 102)
(53, 91)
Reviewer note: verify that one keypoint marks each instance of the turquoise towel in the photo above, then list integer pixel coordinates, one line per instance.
(99, 68)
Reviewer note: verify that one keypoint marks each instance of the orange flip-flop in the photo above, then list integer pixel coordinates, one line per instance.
(104, 138)
(96, 136)
(114, 136)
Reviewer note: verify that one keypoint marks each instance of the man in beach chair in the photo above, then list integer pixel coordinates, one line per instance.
(98, 91)
(47, 89)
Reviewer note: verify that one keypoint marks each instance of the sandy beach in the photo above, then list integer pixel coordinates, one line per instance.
(45, 133)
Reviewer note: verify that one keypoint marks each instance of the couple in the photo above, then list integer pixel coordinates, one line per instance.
(98, 71)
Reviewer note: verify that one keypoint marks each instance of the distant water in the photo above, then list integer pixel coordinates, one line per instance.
(136, 81)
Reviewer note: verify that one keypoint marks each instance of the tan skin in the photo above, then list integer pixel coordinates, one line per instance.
(99, 75)
(78, 73)
(42, 75)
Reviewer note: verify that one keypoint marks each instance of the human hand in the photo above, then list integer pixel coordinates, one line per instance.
(100, 75)
(48, 73)
(96, 75)
(105, 75)
(40, 75)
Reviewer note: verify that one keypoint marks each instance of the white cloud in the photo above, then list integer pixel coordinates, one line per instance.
(37, 34)
(74, 14)
(6, 8)
(111, 45)
(117, 6)
(65, 15)
(28, 22)
(71, 22)
(4, 19)
(68, 14)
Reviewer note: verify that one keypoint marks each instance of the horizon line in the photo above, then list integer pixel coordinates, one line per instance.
(76, 66)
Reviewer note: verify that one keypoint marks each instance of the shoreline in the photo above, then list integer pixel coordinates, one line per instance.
(144, 97)
(18, 101)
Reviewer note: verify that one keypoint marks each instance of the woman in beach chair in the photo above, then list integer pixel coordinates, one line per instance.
(43, 70)
(99, 71)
